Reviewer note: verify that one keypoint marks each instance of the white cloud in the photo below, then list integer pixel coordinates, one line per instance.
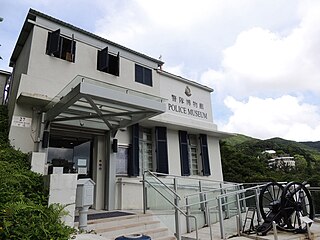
(286, 116)
(239, 48)
(262, 61)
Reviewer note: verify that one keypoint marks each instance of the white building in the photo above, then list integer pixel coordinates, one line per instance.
(4, 78)
(107, 112)
(282, 161)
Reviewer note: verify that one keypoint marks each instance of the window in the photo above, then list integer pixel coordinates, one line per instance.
(143, 75)
(145, 148)
(61, 47)
(107, 62)
(122, 160)
(193, 155)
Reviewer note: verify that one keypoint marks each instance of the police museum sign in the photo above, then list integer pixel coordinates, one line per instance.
(187, 105)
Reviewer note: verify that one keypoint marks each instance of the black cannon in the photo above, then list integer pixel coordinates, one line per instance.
(285, 205)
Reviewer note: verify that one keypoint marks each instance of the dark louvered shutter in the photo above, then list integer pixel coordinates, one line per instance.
(184, 156)
(54, 42)
(162, 150)
(103, 60)
(118, 66)
(133, 163)
(204, 155)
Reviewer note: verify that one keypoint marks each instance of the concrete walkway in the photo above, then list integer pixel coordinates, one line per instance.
(204, 234)
(230, 230)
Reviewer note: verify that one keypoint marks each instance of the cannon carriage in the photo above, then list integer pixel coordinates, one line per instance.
(285, 205)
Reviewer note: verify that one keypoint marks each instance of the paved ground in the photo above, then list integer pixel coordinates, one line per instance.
(204, 234)
(230, 230)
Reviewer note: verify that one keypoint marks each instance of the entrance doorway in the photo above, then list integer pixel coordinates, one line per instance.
(72, 153)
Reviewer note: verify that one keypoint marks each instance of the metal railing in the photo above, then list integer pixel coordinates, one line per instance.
(226, 201)
(175, 204)
(202, 189)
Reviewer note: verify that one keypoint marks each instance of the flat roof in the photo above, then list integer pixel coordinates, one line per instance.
(185, 80)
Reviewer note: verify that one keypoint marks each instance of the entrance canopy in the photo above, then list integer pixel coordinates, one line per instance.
(90, 103)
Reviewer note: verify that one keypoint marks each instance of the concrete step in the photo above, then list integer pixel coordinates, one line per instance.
(154, 233)
(127, 229)
(118, 221)
(145, 224)
(166, 238)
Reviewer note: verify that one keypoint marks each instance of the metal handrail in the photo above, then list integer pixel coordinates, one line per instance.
(165, 185)
(193, 178)
(209, 191)
(177, 208)
(240, 191)
(235, 192)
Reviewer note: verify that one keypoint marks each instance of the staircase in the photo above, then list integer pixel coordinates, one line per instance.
(146, 224)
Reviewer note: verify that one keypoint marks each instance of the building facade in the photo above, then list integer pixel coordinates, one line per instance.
(4, 80)
(107, 112)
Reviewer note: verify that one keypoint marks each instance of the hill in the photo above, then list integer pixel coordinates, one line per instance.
(313, 145)
(243, 161)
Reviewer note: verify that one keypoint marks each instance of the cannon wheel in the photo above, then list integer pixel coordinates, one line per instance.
(269, 194)
(296, 202)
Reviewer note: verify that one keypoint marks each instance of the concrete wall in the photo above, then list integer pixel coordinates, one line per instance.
(3, 81)
(188, 104)
(21, 67)
(62, 190)
(45, 71)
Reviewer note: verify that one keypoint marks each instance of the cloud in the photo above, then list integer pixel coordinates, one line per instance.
(286, 116)
(265, 62)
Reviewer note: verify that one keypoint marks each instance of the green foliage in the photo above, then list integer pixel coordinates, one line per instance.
(19, 184)
(21, 220)
(24, 211)
(17, 158)
(243, 161)
(3, 127)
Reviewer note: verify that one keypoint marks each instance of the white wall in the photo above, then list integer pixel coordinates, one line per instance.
(48, 75)
(215, 158)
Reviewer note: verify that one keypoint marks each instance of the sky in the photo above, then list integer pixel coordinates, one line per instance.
(261, 57)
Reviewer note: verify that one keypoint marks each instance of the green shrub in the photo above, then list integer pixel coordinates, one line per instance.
(26, 220)
(24, 211)
(19, 184)
(4, 142)
(16, 157)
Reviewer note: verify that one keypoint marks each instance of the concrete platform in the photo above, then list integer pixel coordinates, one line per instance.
(230, 229)
(204, 234)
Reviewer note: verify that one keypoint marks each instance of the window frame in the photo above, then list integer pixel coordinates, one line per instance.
(193, 144)
(122, 160)
(143, 77)
(143, 165)
(107, 62)
(57, 46)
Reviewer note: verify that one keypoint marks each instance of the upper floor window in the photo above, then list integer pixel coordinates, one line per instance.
(143, 75)
(107, 62)
(61, 47)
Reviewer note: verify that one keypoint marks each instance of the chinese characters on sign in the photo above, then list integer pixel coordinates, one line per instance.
(18, 121)
(187, 106)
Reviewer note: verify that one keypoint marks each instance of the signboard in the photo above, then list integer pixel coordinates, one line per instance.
(82, 170)
(187, 105)
(82, 162)
(18, 121)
